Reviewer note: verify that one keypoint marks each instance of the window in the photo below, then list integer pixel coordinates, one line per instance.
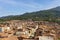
(0, 29)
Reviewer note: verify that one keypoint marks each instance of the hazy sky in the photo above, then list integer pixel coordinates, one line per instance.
(16, 7)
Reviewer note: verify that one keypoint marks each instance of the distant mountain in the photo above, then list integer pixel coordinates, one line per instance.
(44, 15)
(57, 8)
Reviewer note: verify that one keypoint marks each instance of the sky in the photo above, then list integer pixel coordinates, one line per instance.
(18, 7)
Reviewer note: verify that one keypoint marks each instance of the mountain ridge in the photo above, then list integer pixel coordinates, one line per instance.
(45, 15)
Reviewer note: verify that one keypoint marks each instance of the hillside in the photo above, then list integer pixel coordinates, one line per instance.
(57, 8)
(44, 15)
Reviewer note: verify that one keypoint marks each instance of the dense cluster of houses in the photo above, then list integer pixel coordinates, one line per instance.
(28, 30)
